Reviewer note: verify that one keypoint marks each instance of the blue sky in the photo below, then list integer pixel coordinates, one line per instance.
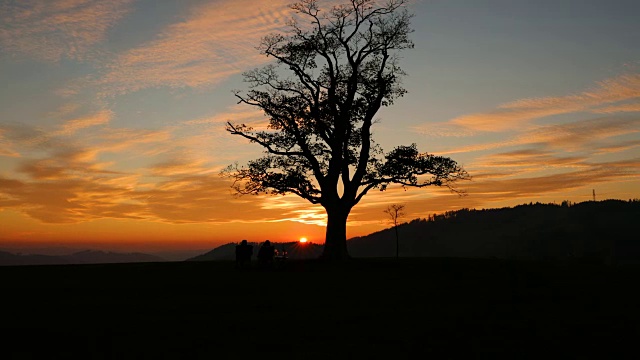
(112, 115)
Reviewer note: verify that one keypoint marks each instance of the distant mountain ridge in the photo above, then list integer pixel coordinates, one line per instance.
(81, 257)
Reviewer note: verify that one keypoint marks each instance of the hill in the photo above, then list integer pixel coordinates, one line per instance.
(597, 231)
(80, 257)
(591, 231)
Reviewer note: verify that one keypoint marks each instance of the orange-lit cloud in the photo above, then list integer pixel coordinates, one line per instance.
(587, 175)
(215, 41)
(584, 135)
(496, 189)
(64, 111)
(6, 147)
(239, 113)
(74, 125)
(543, 161)
(632, 107)
(52, 30)
(516, 114)
(64, 176)
(559, 157)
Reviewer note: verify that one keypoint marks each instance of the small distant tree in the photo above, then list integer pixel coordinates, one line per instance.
(395, 212)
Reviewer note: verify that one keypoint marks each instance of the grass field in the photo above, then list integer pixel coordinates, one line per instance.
(374, 308)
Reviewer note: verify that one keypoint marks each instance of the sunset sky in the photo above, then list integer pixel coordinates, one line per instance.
(112, 116)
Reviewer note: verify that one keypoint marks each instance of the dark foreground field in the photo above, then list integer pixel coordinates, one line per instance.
(365, 309)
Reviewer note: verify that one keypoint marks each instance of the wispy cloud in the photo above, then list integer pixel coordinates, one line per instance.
(70, 200)
(6, 145)
(239, 113)
(632, 107)
(74, 125)
(565, 151)
(52, 30)
(77, 173)
(558, 184)
(584, 135)
(530, 160)
(516, 114)
(215, 41)
(497, 189)
(548, 160)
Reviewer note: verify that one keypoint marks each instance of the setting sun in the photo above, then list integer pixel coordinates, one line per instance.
(303, 239)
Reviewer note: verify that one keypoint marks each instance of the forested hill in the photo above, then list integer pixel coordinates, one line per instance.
(594, 230)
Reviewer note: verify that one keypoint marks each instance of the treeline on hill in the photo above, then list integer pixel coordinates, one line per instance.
(594, 231)
(600, 231)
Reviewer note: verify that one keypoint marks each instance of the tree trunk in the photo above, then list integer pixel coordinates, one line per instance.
(397, 242)
(335, 245)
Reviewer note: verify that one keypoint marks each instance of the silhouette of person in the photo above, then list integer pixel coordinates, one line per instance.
(244, 251)
(266, 253)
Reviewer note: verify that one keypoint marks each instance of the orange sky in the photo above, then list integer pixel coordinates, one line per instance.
(112, 116)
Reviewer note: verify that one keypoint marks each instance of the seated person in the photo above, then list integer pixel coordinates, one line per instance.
(266, 253)
(244, 251)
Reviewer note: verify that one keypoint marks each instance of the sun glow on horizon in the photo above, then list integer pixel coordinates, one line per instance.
(303, 239)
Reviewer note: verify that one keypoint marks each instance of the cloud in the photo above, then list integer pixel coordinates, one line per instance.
(516, 114)
(632, 107)
(530, 160)
(62, 177)
(581, 135)
(295, 209)
(64, 110)
(179, 166)
(559, 183)
(238, 114)
(20, 138)
(584, 135)
(443, 130)
(215, 41)
(542, 162)
(52, 30)
(619, 147)
(187, 198)
(497, 189)
(72, 200)
(6, 145)
(137, 142)
(70, 185)
(74, 125)
(60, 180)
(556, 149)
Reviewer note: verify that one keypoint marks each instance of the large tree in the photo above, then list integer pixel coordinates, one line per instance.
(330, 77)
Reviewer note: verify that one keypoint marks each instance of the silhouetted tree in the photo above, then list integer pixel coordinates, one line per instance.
(343, 67)
(395, 212)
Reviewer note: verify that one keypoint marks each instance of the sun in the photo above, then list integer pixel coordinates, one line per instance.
(303, 239)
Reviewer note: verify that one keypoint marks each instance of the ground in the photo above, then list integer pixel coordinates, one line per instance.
(374, 308)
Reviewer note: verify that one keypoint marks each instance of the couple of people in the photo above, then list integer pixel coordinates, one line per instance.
(244, 252)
